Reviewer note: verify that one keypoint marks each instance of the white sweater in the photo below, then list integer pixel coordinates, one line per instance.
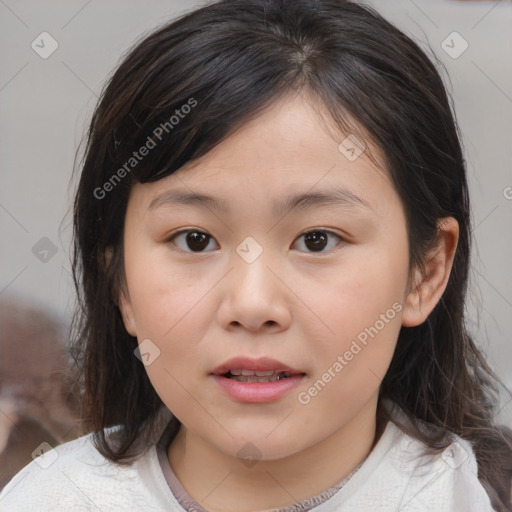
(75, 477)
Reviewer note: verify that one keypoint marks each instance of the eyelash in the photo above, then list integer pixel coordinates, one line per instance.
(314, 230)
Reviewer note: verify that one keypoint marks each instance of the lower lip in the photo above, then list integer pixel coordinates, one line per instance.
(257, 392)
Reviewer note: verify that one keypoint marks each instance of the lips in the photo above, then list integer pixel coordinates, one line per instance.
(264, 369)
(256, 380)
(256, 376)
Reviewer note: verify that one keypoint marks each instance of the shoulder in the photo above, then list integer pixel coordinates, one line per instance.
(417, 480)
(448, 478)
(75, 476)
(400, 473)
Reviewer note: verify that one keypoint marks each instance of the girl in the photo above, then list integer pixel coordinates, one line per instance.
(272, 251)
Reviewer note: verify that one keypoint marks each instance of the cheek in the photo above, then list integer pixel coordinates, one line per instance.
(351, 364)
(171, 308)
(164, 297)
(355, 297)
(362, 305)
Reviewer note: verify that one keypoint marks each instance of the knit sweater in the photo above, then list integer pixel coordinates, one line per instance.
(395, 476)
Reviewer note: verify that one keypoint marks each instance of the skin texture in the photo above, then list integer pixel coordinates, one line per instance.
(292, 303)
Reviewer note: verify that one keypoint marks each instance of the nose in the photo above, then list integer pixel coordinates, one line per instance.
(255, 297)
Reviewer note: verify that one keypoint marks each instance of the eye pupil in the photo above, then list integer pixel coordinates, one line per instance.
(317, 239)
(197, 241)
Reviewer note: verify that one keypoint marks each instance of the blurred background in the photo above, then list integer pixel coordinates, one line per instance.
(56, 56)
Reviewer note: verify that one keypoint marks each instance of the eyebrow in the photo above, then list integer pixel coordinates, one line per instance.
(337, 196)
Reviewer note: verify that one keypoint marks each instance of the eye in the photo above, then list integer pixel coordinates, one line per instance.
(195, 240)
(316, 239)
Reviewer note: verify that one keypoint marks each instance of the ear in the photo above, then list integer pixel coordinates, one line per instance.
(122, 299)
(126, 309)
(429, 284)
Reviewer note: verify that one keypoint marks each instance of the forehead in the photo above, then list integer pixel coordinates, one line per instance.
(288, 156)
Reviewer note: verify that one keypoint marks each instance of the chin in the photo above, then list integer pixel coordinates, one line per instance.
(252, 445)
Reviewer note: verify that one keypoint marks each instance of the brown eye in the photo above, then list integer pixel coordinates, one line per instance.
(194, 241)
(317, 240)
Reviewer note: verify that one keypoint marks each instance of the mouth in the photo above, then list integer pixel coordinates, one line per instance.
(258, 376)
(256, 380)
(264, 369)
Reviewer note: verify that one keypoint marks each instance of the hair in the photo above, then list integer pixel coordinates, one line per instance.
(229, 61)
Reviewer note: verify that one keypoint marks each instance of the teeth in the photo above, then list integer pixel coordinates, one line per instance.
(264, 374)
(254, 378)
(242, 375)
(248, 373)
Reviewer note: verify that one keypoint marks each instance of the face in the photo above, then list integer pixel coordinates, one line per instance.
(318, 285)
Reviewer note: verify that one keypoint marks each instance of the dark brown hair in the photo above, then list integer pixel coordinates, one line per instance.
(232, 59)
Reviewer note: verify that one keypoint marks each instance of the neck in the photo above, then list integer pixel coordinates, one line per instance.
(220, 483)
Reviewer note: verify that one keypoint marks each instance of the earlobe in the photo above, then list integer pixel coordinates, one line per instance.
(125, 307)
(121, 299)
(429, 284)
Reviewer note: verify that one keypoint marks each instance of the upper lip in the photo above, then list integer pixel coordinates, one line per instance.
(261, 364)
